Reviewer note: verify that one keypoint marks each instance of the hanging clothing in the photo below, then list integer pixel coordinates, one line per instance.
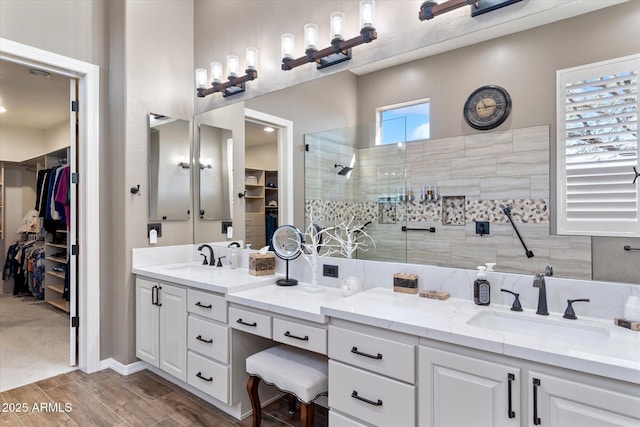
(62, 196)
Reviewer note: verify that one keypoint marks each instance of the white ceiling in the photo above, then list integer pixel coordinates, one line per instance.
(32, 102)
(254, 135)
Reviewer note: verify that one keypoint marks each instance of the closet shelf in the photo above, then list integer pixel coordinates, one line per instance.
(56, 245)
(60, 303)
(56, 274)
(57, 288)
(57, 259)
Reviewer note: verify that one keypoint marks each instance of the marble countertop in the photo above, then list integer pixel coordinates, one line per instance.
(296, 301)
(215, 279)
(589, 345)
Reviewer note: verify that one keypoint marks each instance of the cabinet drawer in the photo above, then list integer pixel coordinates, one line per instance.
(208, 339)
(299, 335)
(372, 398)
(208, 376)
(383, 356)
(339, 420)
(248, 321)
(207, 305)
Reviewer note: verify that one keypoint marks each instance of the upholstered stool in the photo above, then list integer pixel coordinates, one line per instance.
(296, 372)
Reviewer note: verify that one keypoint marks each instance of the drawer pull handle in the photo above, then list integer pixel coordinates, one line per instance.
(288, 334)
(199, 375)
(370, 402)
(354, 350)
(199, 304)
(510, 412)
(254, 324)
(199, 338)
(536, 419)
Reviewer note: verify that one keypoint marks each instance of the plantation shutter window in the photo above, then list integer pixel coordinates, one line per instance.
(598, 193)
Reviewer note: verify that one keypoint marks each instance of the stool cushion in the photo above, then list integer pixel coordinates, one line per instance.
(292, 370)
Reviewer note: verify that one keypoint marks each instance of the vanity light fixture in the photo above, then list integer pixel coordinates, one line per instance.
(340, 49)
(236, 83)
(430, 8)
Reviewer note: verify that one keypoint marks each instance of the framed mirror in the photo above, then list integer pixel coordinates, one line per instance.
(215, 176)
(169, 168)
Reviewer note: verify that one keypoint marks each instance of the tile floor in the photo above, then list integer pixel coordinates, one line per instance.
(107, 398)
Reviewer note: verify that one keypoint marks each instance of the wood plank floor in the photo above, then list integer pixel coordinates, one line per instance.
(107, 398)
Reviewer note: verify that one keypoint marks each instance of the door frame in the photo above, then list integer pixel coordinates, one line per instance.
(88, 226)
(285, 160)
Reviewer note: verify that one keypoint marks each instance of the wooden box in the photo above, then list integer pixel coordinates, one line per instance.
(262, 265)
(405, 282)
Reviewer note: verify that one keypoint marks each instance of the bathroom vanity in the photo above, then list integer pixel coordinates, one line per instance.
(394, 358)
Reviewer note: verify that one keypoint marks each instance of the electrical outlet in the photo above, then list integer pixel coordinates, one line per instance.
(225, 226)
(482, 227)
(330, 270)
(155, 226)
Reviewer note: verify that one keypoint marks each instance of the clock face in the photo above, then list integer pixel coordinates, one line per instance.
(287, 241)
(487, 107)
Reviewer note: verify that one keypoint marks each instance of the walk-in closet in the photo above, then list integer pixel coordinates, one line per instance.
(36, 144)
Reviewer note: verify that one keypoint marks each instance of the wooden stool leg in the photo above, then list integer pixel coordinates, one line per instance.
(292, 404)
(252, 389)
(307, 411)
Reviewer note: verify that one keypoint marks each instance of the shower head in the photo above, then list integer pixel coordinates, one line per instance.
(343, 169)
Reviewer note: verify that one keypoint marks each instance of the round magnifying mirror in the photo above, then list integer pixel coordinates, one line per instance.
(287, 243)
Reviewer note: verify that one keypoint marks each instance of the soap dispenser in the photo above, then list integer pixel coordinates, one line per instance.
(233, 258)
(481, 287)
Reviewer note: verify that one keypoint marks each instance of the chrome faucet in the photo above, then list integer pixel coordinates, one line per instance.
(211, 256)
(538, 282)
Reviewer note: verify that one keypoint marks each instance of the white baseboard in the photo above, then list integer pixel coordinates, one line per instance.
(121, 368)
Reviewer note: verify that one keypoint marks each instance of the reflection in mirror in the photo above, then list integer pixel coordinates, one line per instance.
(355, 189)
(169, 167)
(215, 180)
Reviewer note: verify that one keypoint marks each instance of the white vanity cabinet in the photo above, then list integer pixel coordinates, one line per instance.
(464, 387)
(559, 402)
(161, 326)
(457, 390)
(372, 377)
(208, 344)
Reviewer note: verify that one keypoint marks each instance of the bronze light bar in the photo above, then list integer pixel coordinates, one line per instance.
(430, 9)
(233, 86)
(340, 49)
(338, 52)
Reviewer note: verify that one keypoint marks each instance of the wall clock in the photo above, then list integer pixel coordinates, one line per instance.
(287, 244)
(487, 107)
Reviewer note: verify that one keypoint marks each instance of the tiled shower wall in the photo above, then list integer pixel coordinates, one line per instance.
(476, 175)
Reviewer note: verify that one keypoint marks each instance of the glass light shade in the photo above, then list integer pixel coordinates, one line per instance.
(336, 23)
(252, 58)
(367, 12)
(287, 45)
(311, 37)
(233, 65)
(216, 72)
(201, 78)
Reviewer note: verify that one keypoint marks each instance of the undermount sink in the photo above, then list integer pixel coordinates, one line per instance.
(560, 330)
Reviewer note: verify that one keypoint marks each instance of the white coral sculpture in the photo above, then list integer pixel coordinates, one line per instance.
(350, 237)
(314, 247)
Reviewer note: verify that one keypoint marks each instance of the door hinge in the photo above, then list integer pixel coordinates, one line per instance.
(74, 249)
(74, 178)
(74, 106)
(75, 321)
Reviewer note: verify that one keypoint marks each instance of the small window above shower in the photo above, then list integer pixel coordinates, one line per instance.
(405, 122)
